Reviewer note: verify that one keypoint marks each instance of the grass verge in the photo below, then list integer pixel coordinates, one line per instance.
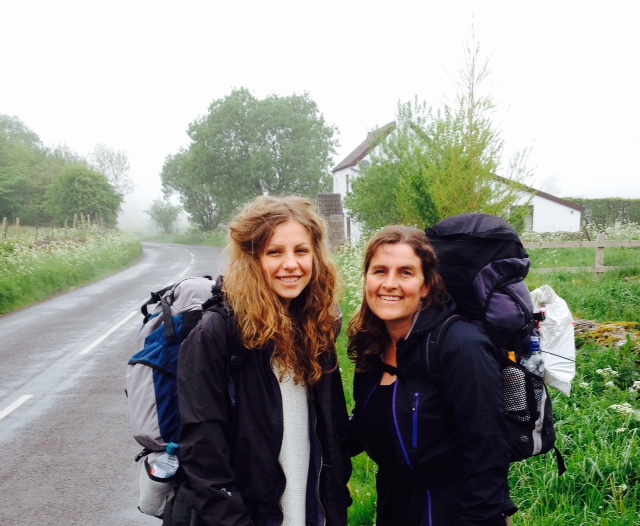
(33, 272)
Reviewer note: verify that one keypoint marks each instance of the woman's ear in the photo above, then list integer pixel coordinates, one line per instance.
(425, 291)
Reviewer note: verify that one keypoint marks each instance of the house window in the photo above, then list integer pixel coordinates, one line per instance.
(527, 218)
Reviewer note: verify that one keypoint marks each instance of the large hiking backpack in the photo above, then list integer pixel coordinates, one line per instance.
(151, 383)
(483, 265)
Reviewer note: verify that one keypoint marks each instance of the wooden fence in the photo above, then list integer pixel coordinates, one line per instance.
(600, 244)
(80, 222)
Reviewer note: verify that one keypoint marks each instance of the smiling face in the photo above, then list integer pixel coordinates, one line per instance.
(395, 285)
(287, 260)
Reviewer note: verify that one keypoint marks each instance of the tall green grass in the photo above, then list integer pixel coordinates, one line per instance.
(33, 272)
(582, 257)
(597, 426)
(611, 296)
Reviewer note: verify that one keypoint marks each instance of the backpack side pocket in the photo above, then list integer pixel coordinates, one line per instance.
(154, 492)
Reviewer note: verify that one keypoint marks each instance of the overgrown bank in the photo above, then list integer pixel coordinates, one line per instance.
(32, 272)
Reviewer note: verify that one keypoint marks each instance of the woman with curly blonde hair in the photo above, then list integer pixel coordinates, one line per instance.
(276, 453)
(302, 325)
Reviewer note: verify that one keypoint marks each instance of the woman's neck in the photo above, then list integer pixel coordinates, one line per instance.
(398, 330)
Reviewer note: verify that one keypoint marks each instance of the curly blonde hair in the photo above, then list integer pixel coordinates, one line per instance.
(308, 329)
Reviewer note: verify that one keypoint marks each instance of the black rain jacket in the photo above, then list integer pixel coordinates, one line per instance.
(450, 438)
(229, 454)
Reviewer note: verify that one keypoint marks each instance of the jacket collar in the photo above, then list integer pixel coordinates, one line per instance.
(428, 319)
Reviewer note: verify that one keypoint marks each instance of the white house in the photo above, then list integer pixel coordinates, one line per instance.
(548, 213)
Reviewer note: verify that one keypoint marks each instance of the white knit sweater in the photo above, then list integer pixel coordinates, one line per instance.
(294, 452)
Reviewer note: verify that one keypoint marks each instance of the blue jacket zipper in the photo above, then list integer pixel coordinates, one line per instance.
(414, 436)
(398, 433)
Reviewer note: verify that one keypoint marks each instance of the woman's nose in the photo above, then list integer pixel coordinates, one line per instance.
(390, 282)
(289, 262)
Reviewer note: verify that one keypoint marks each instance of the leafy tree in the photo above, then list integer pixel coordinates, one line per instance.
(17, 132)
(27, 168)
(78, 189)
(10, 179)
(21, 184)
(394, 188)
(443, 163)
(245, 147)
(164, 215)
(114, 164)
(370, 199)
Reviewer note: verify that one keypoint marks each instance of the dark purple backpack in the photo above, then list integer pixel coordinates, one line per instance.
(483, 265)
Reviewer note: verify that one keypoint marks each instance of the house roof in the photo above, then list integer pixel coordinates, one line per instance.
(365, 147)
(545, 195)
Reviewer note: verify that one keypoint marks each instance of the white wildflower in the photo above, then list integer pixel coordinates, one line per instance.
(607, 372)
(624, 408)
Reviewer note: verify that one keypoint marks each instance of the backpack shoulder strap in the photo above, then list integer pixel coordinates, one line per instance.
(156, 297)
(433, 340)
(218, 303)
(428, 357)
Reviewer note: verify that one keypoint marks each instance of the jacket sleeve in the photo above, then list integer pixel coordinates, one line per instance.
(343, 426)
(355, 445)
(336, 447)
(471, 386)
(203, 376)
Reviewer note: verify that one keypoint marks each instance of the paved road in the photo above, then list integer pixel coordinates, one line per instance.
(66, 454)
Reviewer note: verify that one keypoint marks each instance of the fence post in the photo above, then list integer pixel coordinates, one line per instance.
(4, 227)
(600, 252)
(17, 230)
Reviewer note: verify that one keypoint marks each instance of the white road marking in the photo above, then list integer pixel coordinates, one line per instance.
(14, 406)
(106, 334)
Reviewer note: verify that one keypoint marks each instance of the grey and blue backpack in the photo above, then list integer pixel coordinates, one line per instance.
(151, 375)
(483, 265)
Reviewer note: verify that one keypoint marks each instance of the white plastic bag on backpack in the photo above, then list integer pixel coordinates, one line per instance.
(557, 338)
